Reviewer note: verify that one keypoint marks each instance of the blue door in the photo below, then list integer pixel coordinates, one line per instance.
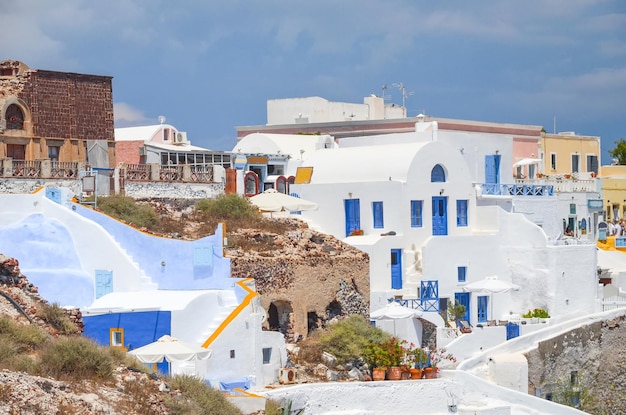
(353, 215)
(440, 215)
(512, 330)
(104, 282)
(396, 269)
(483, 306)
(492, 169)
(464, 299)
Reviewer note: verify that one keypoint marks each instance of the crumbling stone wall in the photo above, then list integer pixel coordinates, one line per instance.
(597, 355)
(315, 273)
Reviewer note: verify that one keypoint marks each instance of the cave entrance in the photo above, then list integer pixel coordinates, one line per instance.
(333, 310)
(279, 316)
(314, 321)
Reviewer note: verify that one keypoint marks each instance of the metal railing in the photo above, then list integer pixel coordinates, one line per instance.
(497, 189)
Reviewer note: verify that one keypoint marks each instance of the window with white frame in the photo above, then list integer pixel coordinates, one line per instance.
(575, 163)
(116, 337)
(592, 163)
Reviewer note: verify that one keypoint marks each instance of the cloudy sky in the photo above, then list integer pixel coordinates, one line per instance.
(209, 66)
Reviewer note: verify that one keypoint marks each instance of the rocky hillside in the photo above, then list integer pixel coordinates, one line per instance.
(21, 393)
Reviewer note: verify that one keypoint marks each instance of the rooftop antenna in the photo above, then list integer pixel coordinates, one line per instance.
(384, 88)
(405, 94)
(161, 119)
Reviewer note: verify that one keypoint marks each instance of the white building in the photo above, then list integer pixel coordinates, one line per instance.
(134, 287)
(434, 211)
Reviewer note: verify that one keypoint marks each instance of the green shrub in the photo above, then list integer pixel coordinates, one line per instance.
(55, 316)
(76, 358)
(229, 206)
(348, 338)
(126, 209)
(198, 398)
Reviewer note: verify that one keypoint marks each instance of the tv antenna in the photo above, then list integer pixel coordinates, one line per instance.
(405, 94)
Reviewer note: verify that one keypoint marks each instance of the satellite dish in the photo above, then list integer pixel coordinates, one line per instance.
(161, 119)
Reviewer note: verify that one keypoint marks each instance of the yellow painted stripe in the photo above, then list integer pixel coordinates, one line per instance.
(235, 312)
(37, 189)
(247, 394)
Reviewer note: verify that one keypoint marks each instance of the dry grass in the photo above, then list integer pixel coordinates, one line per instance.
(55, 316)
(198, 398)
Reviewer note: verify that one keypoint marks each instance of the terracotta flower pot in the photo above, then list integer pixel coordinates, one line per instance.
(378, 373)
(416, 373)
(430, 373)
(394, 373)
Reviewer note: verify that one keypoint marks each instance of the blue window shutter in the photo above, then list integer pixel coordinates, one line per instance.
(461, 212)
(377, 210)
(437, 174)
(461, 274)
(416, 213)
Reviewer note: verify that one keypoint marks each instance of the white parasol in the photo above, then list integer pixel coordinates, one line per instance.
(274, 201)
(491, 285)
(394, 311)
(170, 349)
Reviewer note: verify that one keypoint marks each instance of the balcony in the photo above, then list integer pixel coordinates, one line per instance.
(518, 189)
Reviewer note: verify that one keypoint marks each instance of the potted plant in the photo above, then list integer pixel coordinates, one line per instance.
(436, 358)
(456, 311)
(377, 359)
(417, 359)
(395, 350)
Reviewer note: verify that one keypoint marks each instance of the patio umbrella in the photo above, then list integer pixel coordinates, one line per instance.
(527, 161)
(491, 285)
(170, 349)
(394, 311)
(274, 201)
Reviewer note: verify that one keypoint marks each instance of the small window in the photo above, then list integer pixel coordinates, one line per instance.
(232, 354)
(117, 337)
(461, 274)
(14, 118)
(267, 355)
(53, 153)
(553, 161)
(377, 211)
(592, 163)
(437, 174)
(575, 163)
(416, 213)
(461, 213)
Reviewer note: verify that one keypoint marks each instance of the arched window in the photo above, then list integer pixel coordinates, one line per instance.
(15, 117)
(437, 174)
(251, 183)
(281, 185)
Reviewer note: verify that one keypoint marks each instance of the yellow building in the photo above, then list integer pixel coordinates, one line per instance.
(614, 191)
(567, 153)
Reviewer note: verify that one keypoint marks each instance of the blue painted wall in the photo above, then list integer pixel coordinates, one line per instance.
(46, 248)
(185, 266)
(140, 328)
